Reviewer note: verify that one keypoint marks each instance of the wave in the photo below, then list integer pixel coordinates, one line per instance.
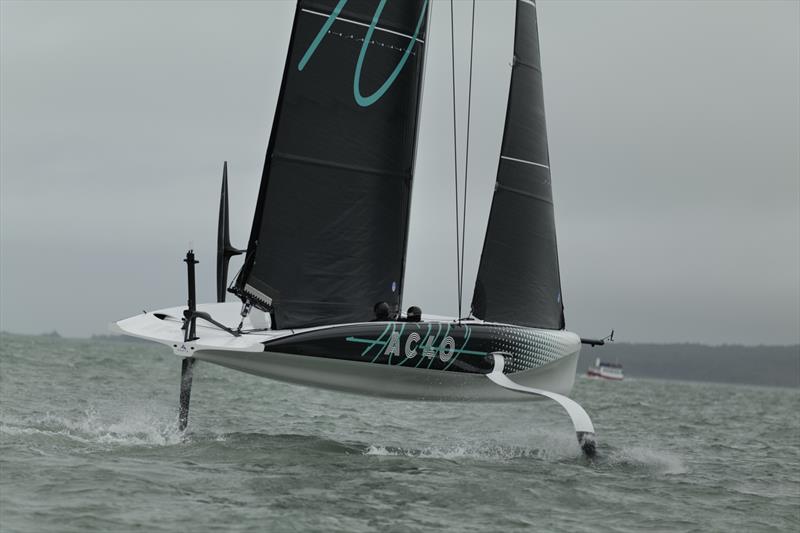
(143, 423)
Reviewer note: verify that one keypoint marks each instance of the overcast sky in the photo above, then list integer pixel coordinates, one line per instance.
(674, 130)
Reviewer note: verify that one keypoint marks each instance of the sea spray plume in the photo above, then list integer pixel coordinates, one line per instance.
(108, 423)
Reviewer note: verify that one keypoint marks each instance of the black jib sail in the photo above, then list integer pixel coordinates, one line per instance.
(329, 235)
(518, 279)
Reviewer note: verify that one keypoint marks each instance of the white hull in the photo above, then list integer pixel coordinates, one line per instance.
(247, 354)
(531, 364)
(392, 381)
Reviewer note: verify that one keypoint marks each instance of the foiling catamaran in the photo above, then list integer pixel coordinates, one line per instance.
(321, 286)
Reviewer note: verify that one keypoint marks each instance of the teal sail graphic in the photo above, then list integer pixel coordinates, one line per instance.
(362, 100)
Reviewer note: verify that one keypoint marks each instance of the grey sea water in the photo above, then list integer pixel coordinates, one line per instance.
(88, 442)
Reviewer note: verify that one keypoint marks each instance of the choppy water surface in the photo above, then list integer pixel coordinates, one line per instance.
(88, 440)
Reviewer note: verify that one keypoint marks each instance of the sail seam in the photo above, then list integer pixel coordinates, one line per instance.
(523, 193)
(524, 161)
(518, 63)
(338, 303)
(351, 21)
(343, 166)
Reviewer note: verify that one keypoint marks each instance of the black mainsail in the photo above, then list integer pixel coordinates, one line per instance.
(329, 234)
(518, 278)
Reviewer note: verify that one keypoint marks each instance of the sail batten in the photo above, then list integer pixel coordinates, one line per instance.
(527, 194)
(518, 278)
(518, 160)
(329, 236)
(364, 24)
(345, 166)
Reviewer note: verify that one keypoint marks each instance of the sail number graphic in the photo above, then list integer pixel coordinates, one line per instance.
(437, 343)
(364, 101)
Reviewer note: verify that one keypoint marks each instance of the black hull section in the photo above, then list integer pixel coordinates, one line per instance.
(442, 346)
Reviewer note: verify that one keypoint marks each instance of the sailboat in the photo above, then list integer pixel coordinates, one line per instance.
(320, 292)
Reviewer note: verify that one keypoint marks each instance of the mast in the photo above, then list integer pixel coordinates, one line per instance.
(329, 234)
(518, 278)
(413, 166)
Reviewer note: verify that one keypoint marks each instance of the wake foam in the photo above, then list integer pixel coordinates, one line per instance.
(139, 423)
(647, 459)
(550, 447)
(547, 447)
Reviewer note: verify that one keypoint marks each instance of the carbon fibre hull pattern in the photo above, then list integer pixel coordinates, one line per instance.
(433, 345)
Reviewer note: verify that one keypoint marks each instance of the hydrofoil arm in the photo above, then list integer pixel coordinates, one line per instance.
(580, 420)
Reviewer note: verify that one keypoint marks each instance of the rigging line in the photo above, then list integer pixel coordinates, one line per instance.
(455, 152)
(466, 162)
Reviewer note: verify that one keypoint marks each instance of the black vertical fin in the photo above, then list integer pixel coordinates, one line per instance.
(189, 314)
(187, 368)
(224, 249)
